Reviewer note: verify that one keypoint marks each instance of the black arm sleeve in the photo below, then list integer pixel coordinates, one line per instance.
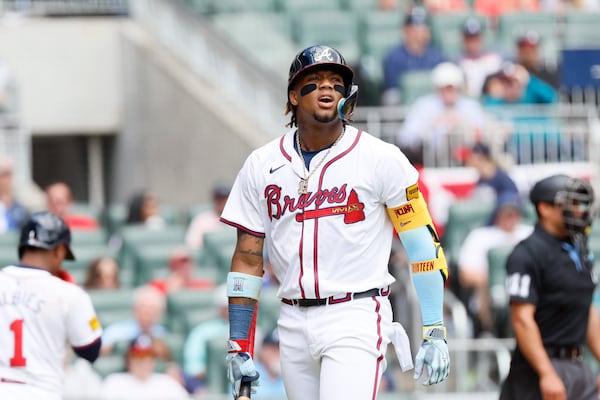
(91, 351)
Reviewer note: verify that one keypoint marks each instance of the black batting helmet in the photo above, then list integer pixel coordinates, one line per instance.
(45, 230)
(575, 195)
(317, 57)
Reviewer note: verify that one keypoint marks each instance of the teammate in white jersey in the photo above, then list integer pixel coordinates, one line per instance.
(324, 199)
(41, 314)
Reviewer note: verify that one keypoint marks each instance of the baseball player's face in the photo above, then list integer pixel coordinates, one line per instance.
(316, 95)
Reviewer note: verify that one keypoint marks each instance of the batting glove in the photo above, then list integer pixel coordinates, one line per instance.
(433, 354)
(240, 368)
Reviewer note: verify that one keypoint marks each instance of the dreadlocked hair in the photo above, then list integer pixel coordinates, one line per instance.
(289, 108)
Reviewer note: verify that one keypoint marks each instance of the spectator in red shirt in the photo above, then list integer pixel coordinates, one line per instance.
(59, 201)
(181, 274)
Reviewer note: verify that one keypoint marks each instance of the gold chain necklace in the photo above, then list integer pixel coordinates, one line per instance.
(303, 186)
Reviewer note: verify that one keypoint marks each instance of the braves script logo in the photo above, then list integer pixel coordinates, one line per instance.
(352, 210)
(324, 55)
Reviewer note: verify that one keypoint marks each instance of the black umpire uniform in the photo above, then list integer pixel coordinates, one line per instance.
(551, 281)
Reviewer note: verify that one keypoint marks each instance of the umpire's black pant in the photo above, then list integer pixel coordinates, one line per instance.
(522, 382)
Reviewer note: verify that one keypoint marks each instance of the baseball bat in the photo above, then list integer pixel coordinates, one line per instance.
(245, 391)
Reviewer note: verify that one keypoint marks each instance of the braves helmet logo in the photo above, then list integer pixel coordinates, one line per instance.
(324, 55)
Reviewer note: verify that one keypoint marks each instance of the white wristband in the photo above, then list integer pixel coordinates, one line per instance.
(243, 285)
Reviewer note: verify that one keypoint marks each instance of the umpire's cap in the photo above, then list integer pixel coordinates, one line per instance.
(45, 230)
(318, 57)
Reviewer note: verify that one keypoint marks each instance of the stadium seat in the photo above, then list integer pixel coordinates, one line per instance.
(227, 6)
(268, 309)
(358, 5)
(85, 254)
(336, 28)
(295, 7)
(109, 364)
(218, 249)
(414, 84)
(10, 239)
(216, 371)
(112, 305)
(85, 237)
(379, 31)
(513, 25)
(187, 308)
(498, 297)
(446, 31)
(196, 209)
(463, 216)
(581, 29)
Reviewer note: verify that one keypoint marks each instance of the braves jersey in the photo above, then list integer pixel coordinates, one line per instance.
(337, 237)
(40, 315)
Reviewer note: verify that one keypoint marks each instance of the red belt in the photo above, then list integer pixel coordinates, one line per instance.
(335, 300)
(4, 380)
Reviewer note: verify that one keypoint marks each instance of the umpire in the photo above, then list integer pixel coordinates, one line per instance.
(550, 281)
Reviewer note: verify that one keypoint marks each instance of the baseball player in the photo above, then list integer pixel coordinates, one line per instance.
(551, 282)
(40, 314)
(324, 199)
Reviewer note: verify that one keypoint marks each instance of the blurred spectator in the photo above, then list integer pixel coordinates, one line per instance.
(494, 8)
(15, 213)
(60, 200)
(181, 270)
(140, 381)
(415, 53)
(561, 7)
(528, 55)
(8, 92)
(473, 265)
(148, 309)
(446, 112)
(387, 5)
(144, 209)
(445, 6)
(208, 221)
(268, 365)
(195, 350)
(514, 85)
(103, 274)
(493, 181)
(476, 62)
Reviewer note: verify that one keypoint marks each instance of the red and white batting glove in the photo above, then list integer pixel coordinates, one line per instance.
(240, 366)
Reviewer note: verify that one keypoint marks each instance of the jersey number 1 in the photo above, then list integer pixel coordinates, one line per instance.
(18, 360)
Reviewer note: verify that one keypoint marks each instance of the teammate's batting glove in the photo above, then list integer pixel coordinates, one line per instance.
(240, 367)
(433, 354)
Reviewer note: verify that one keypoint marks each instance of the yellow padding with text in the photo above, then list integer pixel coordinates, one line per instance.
(438, 263)
(410, 215)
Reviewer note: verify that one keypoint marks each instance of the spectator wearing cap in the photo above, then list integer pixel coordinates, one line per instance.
(181, 273)
(493, 181)
(445, 112)
(528, 55)
(473, 268)
(140, 381)
(476, 62)
(415, 53)
(513, 84)
(208, 221)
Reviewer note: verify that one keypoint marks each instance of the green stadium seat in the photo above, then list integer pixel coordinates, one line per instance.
(216, 371)
(85, 237)
(187, 308)
(196, 209)
(463, 217)
(112, 305)
(268, 309)
(175, 342)
(379, 31)
(414, 84)
(296, 7)
(85, 255)
(358, 5)
(10, 239)
(227, 6)
(497, 257)
(218, 249)
(115, 216)
(334, 28)
(87, 209)
(106, 365)
(513, 25)
(581, 29)
(446, 31)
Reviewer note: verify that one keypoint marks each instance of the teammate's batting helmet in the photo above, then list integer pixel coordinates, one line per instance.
(45, 230)
(317, 57)
(575, 195)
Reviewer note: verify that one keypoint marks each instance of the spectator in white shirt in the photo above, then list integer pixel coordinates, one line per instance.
(447, 112)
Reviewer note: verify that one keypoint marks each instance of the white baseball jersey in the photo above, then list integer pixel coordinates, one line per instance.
(337, 237)
(40, 315)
